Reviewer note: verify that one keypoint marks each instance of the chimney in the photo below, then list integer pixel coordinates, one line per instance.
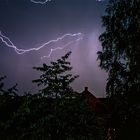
(86, 89)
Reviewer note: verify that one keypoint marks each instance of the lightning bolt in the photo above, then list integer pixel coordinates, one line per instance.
(10, 44)
(61, 48)
(40, 2)
(100, 0)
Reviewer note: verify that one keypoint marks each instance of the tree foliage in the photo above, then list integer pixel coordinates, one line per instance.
(120, 53)
(10, 91)
(41, 118)
(55, 80)
(57, 112)
(120, 57)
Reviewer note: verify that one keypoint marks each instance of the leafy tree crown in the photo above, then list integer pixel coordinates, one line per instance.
(55, 79)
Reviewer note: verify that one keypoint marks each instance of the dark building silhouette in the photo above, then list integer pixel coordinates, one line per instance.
(100, 105)
(103, 109)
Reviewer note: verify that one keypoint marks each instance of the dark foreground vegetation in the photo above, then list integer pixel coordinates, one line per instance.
(39, 118)
(120, 57)
(58, 112)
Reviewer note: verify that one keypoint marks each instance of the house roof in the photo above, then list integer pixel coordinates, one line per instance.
(100, 105)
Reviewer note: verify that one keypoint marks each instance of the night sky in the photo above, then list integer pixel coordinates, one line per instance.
(30, 25)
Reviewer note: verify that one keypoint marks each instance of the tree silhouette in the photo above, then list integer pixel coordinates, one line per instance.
(55, 80)
(120, 53)
(120, 57)
(2, 85)
(59, 113)
(10, 91)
